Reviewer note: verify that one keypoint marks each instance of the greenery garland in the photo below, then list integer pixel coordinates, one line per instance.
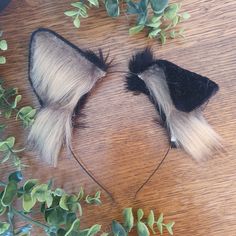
(158, 17)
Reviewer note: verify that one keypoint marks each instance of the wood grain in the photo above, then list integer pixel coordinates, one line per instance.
(122, 144)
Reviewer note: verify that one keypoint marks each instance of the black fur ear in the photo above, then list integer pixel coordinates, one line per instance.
(188, 90)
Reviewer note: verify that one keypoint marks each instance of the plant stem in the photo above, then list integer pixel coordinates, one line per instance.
(28, 219)
(10, 217)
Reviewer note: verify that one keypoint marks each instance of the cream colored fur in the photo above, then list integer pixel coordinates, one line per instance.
(188, 130)
(60, 76)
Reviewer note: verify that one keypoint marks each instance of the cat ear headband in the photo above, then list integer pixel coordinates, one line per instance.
(178, 96)
(62, 75)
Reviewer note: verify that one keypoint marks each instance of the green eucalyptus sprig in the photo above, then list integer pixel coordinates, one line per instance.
(3, 47)
(158, 17)
(142, 227)
(61, 211)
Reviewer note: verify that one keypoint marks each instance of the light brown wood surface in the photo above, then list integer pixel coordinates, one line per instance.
(122, 144)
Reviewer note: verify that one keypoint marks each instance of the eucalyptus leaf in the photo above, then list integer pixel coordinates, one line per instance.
(94, 230)
(28, 202)
(128, 219)
(163, 37)
(94, 3)
(154, 33)
(140, 214)
(74, 227)
(112, 7)
(71, 13)
(159, 6)
(2, 60)
(118, 229)
(29, 184)
(3, 45)
(151, 221)
(185, 15)
(169, 227)
(136, 29)
(142, 229)
(76, 22)
(9, 193)
(171, 11)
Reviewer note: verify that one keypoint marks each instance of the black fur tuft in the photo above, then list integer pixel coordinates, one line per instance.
(135, 84)
(99, 60)
(141, 61)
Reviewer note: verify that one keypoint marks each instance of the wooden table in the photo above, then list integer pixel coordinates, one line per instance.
(122, 144)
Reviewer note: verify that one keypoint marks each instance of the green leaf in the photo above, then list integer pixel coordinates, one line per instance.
(97, 194)
(112, 7)
(79, 5)
(140, 214)
(160, 219)
(76, 22)
(16, 101)
(94, 230)
(160, 223)
(2, 60)
(70, 218)
(155, 18)
(63, 202)
(56, 216)
(92, 200)
(7, 144)
(4, 227)
(15, 176)
(163, 37)
(136, 29)
(133, 8)
(171, 11)
(118, 229)
(9, 193)
(94, 3)
(154, 33)
(128, 219)
(186, 15)
(74, 228)
(71, 13)
(151, 221)
(154, 24)
(29, 184)
(27, 111)
(81, 194)
(49, 199)
(40, 192)
(159, 6)
(142, 229)
(3, 45)
(58, 192)
(175, 20)
(169, 227)
(28, 202)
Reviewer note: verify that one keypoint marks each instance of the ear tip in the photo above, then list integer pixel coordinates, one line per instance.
(141, 61)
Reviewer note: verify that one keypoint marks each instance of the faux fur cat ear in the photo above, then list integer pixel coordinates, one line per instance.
(178, 95)
(61, 75)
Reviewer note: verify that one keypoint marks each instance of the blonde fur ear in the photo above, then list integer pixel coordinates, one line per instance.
(60, 74)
